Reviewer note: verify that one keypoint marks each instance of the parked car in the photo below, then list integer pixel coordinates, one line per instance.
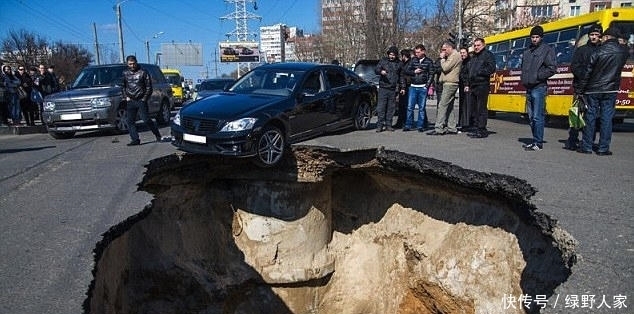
(272, 106)
(365, 69)
(211, 86)
(95, 101)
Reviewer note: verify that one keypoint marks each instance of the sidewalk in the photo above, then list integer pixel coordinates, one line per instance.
(22, 129)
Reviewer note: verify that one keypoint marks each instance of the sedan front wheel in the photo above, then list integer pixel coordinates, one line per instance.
(362, 115)
(270, 148)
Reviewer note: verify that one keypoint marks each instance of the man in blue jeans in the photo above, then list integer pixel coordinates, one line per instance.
(538, 64)
(137, 90)
(600, 83)
(421, 70)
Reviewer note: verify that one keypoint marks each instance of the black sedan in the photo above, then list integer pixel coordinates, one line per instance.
(273, 106)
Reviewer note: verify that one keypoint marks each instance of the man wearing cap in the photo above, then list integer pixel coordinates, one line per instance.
(390, 80)
(600, 83)
(578, 65)
(538, 64)
(421, 70)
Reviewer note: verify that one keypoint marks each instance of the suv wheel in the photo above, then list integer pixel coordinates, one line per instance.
(121, 121)
(270, 147)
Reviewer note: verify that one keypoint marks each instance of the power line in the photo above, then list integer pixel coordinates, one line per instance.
(58, 22)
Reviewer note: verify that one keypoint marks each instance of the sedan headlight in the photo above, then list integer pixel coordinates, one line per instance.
(239, 125)
(100, 102)
(177, 118)
(49, 106)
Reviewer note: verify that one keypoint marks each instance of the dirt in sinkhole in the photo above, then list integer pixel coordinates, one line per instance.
(407, 235)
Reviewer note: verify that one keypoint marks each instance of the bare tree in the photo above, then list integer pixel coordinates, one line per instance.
(24, 48)
(477, 18)
(68, 61)
(27, 49)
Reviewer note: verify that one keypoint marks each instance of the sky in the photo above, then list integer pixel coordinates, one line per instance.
(182, 21)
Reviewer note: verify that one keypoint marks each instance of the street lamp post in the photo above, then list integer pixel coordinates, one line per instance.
(147, 44)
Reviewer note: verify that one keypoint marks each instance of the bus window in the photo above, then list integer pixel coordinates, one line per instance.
(519, 43)
(550, 38)
(500, 51)
(515, 59)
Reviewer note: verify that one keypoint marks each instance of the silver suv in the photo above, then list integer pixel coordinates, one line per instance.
(95, 101)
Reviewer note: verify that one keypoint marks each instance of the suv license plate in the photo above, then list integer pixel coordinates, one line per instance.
(72, 116)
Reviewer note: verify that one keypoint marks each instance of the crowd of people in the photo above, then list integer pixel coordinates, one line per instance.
(407, 83)
(22, 93)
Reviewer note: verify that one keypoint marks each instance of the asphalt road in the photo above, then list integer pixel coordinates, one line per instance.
(58, 196)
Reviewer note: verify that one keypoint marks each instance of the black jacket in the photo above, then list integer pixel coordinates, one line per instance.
(603, 71)
(427, 76)
(464, 72)
(481, 66)
(393, 79)
(538, 64)
(137, 84)
(580, 59)
(407, 79)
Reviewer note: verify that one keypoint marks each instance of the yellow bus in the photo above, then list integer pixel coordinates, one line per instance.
(507, 93)
(176, 80)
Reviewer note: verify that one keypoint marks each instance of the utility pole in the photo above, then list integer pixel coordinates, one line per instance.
(121, 54)
(94, 27)
(241, 32)
(460, 39)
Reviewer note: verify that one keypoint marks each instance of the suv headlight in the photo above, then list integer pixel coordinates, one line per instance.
(49, 106)
(100, 102)
(239, 125)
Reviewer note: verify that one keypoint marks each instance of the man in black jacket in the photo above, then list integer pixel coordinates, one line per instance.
(403, 95)
(538, 64)
(390, 80)
(481, 66)
(137, 90)
(600, 83)
(580, 59)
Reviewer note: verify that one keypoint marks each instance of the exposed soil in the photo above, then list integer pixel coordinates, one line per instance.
(368, 231)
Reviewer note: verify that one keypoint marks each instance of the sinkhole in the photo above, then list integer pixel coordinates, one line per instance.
(365, 231)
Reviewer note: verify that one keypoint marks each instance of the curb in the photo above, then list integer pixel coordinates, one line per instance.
(21, 130)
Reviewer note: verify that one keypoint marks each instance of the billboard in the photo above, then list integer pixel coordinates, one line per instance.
(181, 54)
(239, 51)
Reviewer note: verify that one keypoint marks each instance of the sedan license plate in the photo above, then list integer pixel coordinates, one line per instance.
(195, 138)
(72, 116)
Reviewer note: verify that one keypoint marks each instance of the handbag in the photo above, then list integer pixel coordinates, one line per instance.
(36, 96)
(22, 92)
(575, 113)
(430, 90)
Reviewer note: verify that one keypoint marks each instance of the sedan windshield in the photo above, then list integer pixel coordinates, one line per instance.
(268, 81)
